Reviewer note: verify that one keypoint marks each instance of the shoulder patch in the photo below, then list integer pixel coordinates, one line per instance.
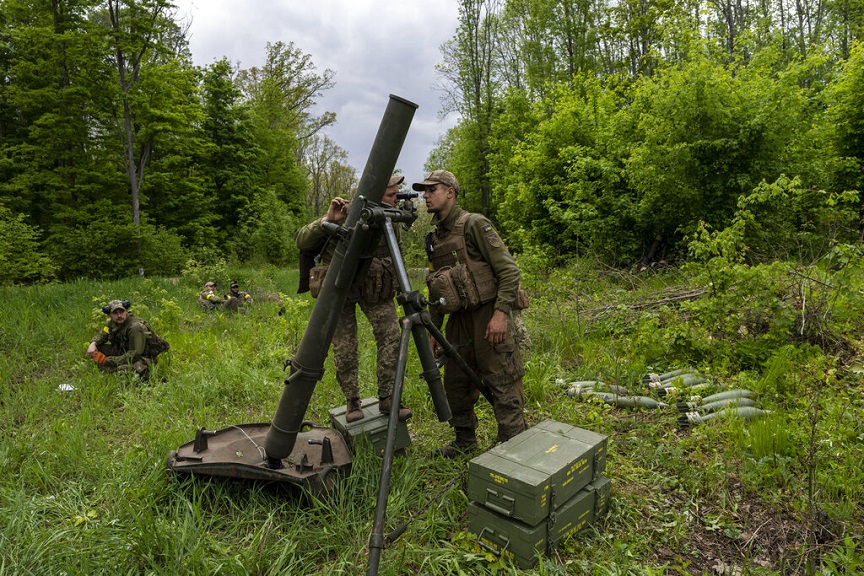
(491, 236)
(106, 330)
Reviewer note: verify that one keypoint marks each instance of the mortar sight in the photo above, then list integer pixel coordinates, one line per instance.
(407, 195)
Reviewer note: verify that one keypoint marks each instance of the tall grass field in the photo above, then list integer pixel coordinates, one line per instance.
(84, 488)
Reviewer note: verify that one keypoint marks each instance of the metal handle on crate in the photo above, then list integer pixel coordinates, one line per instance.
(497, 508)
(490, 548)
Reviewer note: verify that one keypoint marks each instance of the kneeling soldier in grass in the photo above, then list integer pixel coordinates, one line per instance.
(126, 342)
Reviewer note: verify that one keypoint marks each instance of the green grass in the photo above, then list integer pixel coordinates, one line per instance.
(83, 486)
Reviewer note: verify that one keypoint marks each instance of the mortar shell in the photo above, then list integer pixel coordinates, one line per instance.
(725, 403)
(737, 393)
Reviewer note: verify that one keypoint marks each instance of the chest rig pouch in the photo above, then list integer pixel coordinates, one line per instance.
(457, 281)
(380, 283)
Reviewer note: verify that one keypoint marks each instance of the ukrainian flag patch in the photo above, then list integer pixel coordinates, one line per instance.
(491, 236)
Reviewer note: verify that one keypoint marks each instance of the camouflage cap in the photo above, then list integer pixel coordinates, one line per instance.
(395, 180)
(437, 177)
(208, 284)
(234, 284)
(114, 305)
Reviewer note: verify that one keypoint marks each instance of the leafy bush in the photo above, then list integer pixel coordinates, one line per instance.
(102, 247)
(266, 233)
(21, 258)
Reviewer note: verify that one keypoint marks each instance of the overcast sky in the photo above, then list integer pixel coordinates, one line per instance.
(375, 47)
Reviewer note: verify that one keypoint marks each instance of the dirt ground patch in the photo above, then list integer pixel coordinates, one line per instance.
(763, 536)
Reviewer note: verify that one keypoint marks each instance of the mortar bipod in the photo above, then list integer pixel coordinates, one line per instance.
(415, 323)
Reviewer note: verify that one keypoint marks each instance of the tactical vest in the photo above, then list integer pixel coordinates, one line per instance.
(455, 275)
(119, 336)
(379, 284)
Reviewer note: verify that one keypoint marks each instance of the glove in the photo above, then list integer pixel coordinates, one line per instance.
(98, 357)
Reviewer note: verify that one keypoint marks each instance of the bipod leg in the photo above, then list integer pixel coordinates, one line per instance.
(376, 540)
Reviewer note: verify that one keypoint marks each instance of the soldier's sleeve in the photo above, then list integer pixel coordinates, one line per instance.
(483, 238)
(436, 317)
(310, 236)
(102, 336)
(137, 340)
(215, 298)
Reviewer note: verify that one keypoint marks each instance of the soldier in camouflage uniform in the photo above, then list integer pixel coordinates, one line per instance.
(483, 332)
(378, 308)
(234, 293)
(126, 343)
(209, 299)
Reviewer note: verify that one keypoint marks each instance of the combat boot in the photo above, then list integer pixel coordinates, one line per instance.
(465, 443)
(353, 412)
(386, 403)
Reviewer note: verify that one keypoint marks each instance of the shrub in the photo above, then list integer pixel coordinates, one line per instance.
(21, 259)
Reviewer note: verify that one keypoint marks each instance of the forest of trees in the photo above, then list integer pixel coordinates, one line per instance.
(612, 129)
(619, 130)
(118, 155)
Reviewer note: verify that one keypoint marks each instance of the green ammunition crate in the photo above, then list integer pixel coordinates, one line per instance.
(371, 430)
(537, 470)
(503, 535)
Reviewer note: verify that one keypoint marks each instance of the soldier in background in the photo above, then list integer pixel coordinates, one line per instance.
(374, 293)
(126, 343)
(466, 252)
(234, 293)
(210, 300)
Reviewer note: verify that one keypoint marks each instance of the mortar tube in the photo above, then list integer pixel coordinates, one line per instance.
(307, 366)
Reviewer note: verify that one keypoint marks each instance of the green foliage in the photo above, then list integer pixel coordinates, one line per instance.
(21, 258)
(558, 189)
(209, 267)
(785, 220)
(122, 248)
(266, 232)
(230, 159)
(678, 496)
(106, 122)
(847, 120)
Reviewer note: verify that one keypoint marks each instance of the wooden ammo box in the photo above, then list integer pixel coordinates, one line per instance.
(501, 534)
(371, 430)
(537, 470)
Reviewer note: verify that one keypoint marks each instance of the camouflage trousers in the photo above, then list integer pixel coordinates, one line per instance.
(141, 366)
(385, 328)
(499, 366)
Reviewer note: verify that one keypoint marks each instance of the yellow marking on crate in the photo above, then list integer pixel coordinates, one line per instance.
(498, 479)
(577, 465)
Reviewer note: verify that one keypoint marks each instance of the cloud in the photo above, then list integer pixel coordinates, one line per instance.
(375, 48)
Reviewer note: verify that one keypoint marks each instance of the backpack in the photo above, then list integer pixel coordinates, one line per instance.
(155, 344)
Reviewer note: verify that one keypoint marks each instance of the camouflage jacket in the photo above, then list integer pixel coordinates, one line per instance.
(313, 238)
(244, 297)
(209, 299)
(130, 337)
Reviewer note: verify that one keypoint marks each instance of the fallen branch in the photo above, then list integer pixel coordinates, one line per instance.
(691, 294)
